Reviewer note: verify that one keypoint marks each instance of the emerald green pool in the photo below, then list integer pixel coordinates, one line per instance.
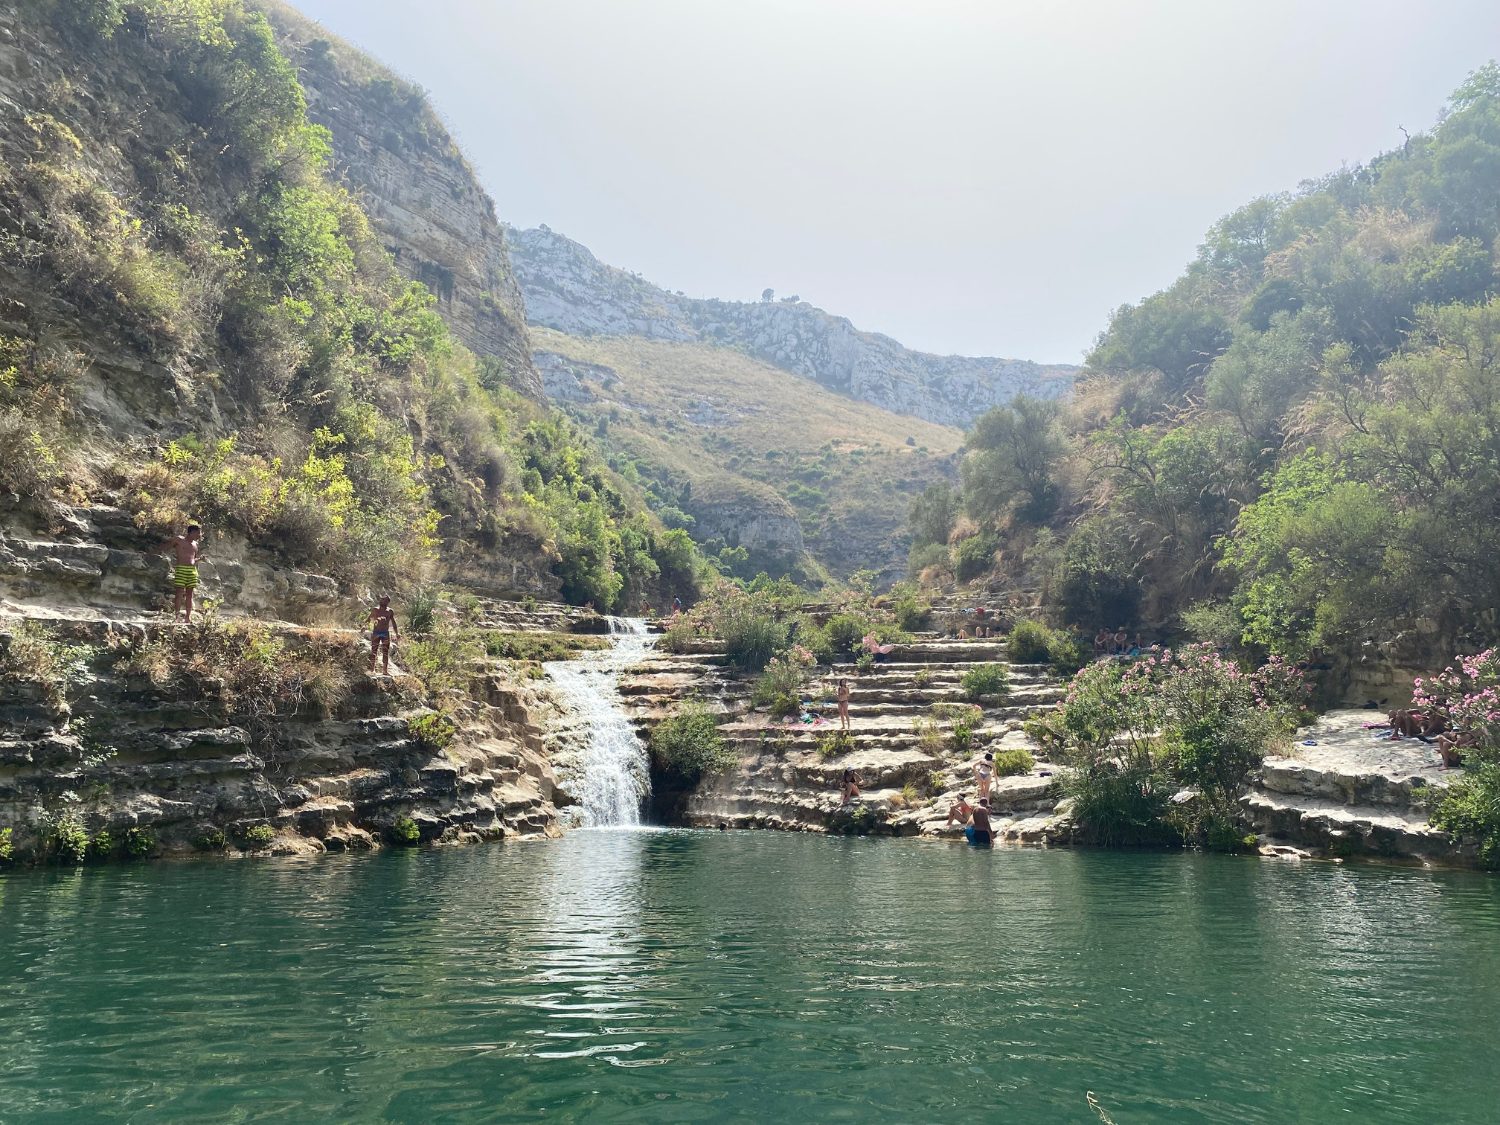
(666, 976)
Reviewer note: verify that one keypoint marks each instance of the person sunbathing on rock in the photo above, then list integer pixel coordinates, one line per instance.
(960, 812)
(382, 622)
(980, 833)
(1452, 743)
(851, 783)
(185, 575)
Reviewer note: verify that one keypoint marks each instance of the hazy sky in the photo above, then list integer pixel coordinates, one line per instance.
(987, 177)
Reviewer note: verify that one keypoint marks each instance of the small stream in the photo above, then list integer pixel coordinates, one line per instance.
(608, 770)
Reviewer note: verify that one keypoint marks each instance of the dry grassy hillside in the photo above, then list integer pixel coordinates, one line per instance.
(744, 434)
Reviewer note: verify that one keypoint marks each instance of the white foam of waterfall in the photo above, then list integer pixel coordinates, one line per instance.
(613, 776)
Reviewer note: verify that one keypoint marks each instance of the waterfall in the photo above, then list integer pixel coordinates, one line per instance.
(609, 772)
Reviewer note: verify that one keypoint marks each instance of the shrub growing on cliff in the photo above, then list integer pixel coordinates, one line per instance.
(405, 832)
(835, 744)
(7, 848)
(259, 836)
(434, 730)
(780, 686)
(34, 653)
(689, 744)
(139, 842)
(986, 681)
(68, 839)
(1031, 642)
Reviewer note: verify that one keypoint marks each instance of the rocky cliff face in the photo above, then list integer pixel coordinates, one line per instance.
(416, 188)
(568, 289)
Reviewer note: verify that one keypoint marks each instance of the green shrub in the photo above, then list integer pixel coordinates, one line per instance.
(929, 736)
(962, 734)
(835, 744)
(139, 842)
(751, 639)
(1119, 805)
(422, 610)
(689, 744)
(1030, 642)
(405, 833)
(780, 686)
(929, 556)
(1471, 806)
(35, 654)
(211, 840)
(433, 729)
(677, 636)
(846, 632)
(260, 836)
(542, 647)
(1014, 762)
(102, 846)
(924, 677)
(445, 657)
(983, 681)
(912, 612)
(7, 847)
(975, 556)
(865, 662)
(68, 839)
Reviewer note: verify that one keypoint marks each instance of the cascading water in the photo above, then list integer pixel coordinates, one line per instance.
(610, 774)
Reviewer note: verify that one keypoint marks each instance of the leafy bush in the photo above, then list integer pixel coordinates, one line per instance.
(260, 836)
(780, 685)
(975, 556)
(422, 609)
(962, 734)
(1030, 642)
(211, 840)
(1467, 694)
(35, 654)
(912, 611)
(846, 632)
(1120, 803)
(835, 744)
(544, 647)
(405, 833)
(7, 848)
(433, 729)
(1471, 807)
(689, 744)
(444, 658)
(985, 681)
(1014, 762)
(68, 838)
(677, 635)
(1175, 719)
(139, 842)
(103, 845)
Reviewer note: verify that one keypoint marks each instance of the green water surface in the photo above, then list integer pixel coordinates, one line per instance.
(667, 976)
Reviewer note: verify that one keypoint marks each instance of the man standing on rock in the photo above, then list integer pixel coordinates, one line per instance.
(185, 575)
(382, 622)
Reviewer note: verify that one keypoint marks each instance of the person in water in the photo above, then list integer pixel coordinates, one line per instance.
(980, 834)
(984, 773)
(382, 623)
(843, 700)
(189, 554)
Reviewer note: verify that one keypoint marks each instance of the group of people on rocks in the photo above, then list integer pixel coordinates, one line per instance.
(1116, 643)
(1425, 725)
(975, 819)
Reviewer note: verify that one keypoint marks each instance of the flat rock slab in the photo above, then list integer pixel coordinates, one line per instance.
(1344, 748)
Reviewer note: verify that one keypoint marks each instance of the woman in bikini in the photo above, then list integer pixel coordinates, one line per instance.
(843, 698)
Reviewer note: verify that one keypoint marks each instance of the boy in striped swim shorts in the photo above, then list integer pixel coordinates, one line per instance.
(185, 575)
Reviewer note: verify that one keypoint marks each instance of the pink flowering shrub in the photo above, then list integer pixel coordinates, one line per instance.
(1469, 697)
(1174, 720)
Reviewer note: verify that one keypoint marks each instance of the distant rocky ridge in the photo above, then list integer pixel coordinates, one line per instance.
(568, 289)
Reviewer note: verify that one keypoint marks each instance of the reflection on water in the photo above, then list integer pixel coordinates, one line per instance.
(663, 976)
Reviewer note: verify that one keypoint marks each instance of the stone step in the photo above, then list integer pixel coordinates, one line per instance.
(1342, 829)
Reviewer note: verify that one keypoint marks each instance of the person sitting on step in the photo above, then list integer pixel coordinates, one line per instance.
(960, 812)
